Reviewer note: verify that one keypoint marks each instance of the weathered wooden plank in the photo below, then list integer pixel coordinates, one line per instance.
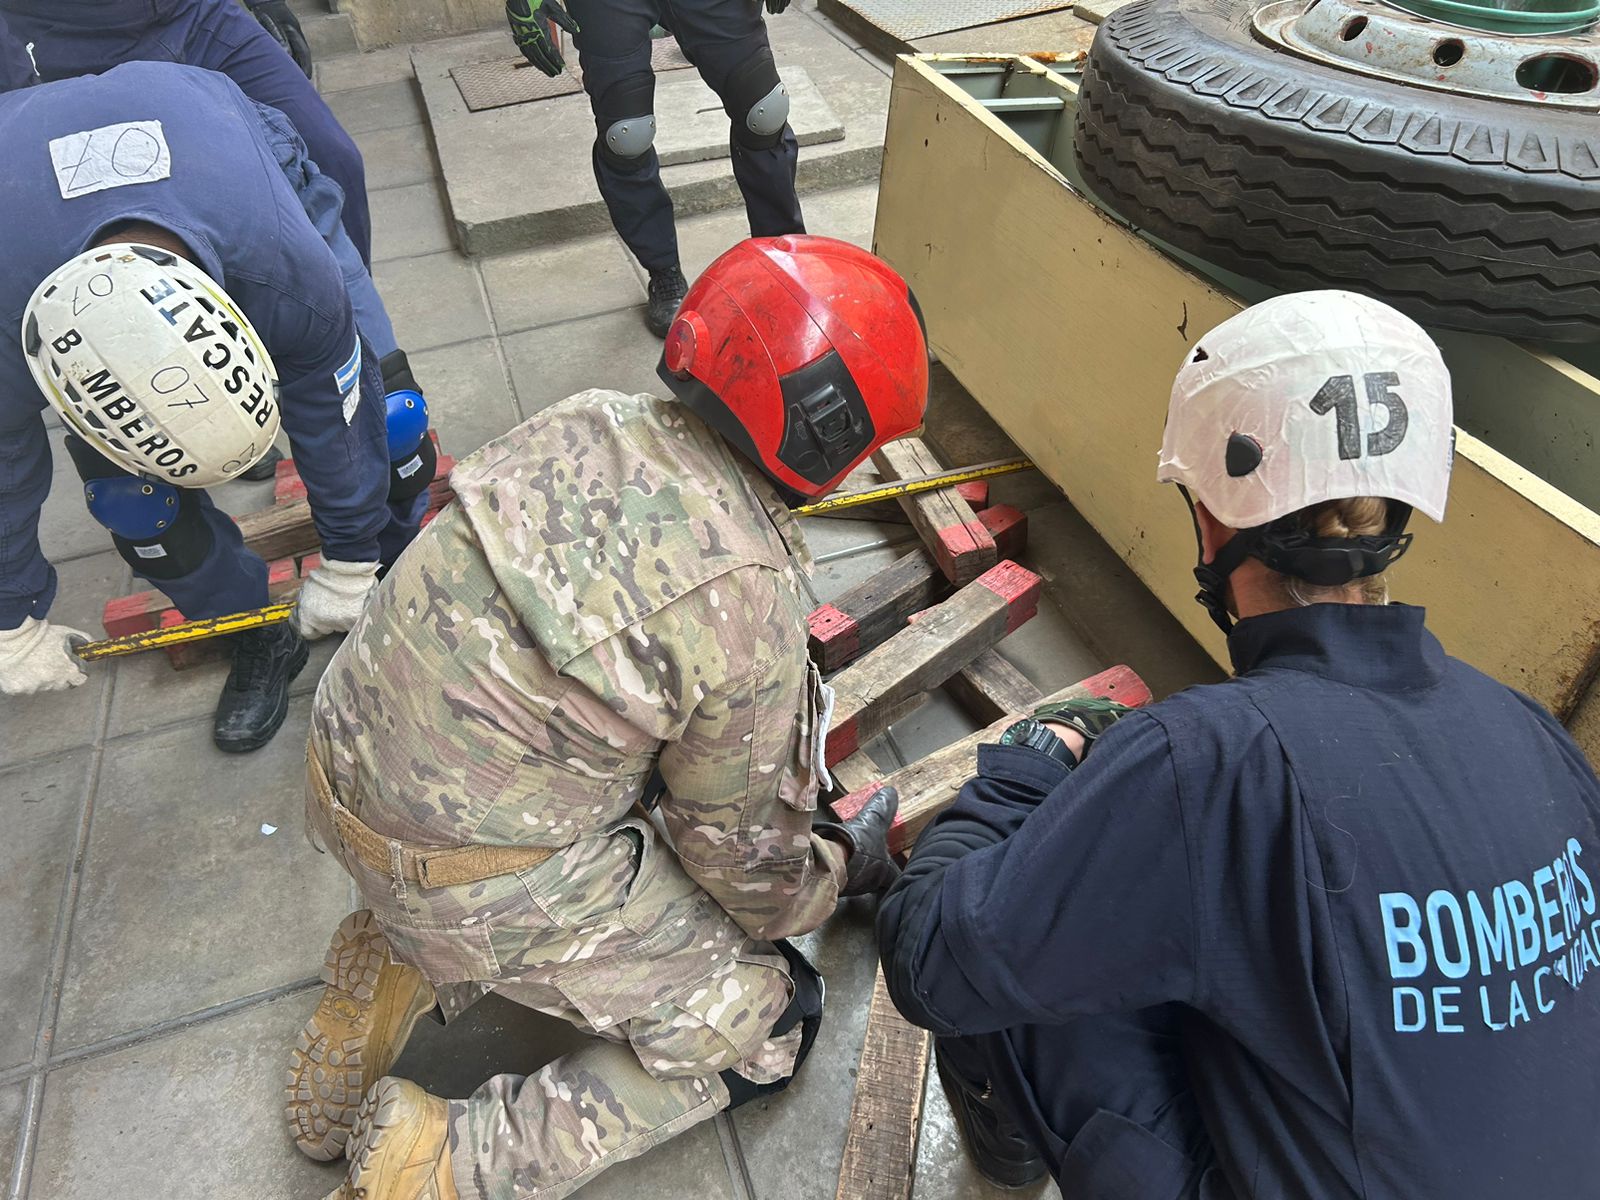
(930, 784)
(286, 529)
(866, 615)
(923, 655)
(880, 1144)
(961, 544)
(862, 617)
(1512, 577)
(989, 688)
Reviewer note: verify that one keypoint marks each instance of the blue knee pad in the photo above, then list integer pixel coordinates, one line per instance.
(157, 528)
(412, 457)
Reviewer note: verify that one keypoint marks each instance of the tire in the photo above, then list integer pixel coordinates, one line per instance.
(1464, 212)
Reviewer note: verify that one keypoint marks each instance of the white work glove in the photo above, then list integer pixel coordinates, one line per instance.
(37, 656)
(332, 597)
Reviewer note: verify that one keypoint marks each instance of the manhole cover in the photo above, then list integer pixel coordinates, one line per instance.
(507, 81)
(907, 20)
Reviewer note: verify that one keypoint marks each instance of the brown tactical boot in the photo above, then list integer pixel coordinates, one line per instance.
(361, 1024)
(400, 1147)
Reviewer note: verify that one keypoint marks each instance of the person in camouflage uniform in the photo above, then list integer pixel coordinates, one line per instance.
(610, 611)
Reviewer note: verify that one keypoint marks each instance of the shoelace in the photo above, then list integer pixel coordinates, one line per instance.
(662, 285)
(252, 661)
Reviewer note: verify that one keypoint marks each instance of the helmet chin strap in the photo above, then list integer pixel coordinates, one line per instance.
(1325, 562)
(1213, 576)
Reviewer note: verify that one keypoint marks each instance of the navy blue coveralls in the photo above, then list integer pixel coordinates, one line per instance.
(719, 37)
(228, 199)
(83, 37)
(1323, 930)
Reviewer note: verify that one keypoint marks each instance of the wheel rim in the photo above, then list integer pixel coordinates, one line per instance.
(1384, 39)
(1544, 16)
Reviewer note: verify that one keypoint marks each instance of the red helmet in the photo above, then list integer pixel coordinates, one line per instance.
(806, 353)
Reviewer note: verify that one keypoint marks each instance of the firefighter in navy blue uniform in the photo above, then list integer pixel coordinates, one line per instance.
(177, 161)
(1323, 930)
(259, 45)
(726, 40)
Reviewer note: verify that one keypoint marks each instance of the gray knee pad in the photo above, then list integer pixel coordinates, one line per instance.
(625, 118)
(757, 102)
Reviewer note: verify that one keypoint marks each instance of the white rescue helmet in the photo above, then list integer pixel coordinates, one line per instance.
(152, 363)
(1305, 398)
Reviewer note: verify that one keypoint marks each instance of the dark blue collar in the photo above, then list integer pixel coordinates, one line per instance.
(1384, 647)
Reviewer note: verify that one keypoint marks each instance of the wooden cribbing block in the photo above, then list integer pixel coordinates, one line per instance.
(863, 616)
(930, 784)
(944, 639)
(880, 1144)
(990, 688)
(962, 546)
(866, 615)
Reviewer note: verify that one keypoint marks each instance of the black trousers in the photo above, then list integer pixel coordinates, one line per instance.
(717, 36)
(1105, 1100)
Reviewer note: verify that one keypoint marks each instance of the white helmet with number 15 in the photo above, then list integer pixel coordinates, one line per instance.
(153, 364)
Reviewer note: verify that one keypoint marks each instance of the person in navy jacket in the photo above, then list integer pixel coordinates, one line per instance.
(180, 159)
(259, 45)
(1323, 930)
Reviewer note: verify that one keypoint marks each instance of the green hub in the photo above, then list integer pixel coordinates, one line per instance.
(1509, 16)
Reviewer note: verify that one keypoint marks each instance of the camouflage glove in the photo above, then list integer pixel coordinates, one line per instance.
(1089, 715)
(870, 869)
(532, 36)
(278, 19)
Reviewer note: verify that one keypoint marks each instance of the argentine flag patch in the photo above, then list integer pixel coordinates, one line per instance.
(347, 379)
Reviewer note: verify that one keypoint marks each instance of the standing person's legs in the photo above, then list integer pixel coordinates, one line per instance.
(727, 41)
(614, 50)
(228, 39)
(1104, 1101)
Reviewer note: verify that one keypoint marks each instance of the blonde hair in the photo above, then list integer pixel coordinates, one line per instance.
(1359, 516)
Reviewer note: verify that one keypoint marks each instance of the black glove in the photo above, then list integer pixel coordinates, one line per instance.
(278, 19)
(527, 19)
(777, 6)
(870, 869)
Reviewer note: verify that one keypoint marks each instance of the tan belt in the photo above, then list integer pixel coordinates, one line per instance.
(430, 866)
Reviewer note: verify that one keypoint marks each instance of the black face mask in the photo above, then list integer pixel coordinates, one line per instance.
(1288, 549)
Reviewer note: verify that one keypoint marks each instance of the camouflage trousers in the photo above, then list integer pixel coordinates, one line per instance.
(612, 935)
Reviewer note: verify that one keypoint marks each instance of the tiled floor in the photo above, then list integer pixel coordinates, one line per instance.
(164, 915)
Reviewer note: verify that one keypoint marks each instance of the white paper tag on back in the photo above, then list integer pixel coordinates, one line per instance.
(109, 157)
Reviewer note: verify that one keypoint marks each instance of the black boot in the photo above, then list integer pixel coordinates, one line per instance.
(805, 1010)
(667, 290)
(266, 468)
(256, 697)
(1002, 1155)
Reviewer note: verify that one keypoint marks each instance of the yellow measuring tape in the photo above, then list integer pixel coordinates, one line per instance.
(199, 631)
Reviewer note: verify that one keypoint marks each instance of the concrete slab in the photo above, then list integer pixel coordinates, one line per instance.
(11, 1102)
(557, 283)
(385, 23)
(433, 300)
(1097, 10)
(66, 530)
(793, 1141)
(503, 194)
(44, 804)
(614, 350)
(408, 221)
(1063, 34)
(347, 72)
(692, 126)
(185, 903)
(328, 34)
(396, 157)
(44, 725)
(469, 400)
(378, 106)
(150, 695)
(194, 1115)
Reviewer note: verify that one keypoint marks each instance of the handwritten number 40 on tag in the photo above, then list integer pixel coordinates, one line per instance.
(1338, 395)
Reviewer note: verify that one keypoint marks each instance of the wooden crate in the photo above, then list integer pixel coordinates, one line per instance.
(1068, 328)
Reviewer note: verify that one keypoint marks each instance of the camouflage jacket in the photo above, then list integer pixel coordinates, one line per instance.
(612, 591)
